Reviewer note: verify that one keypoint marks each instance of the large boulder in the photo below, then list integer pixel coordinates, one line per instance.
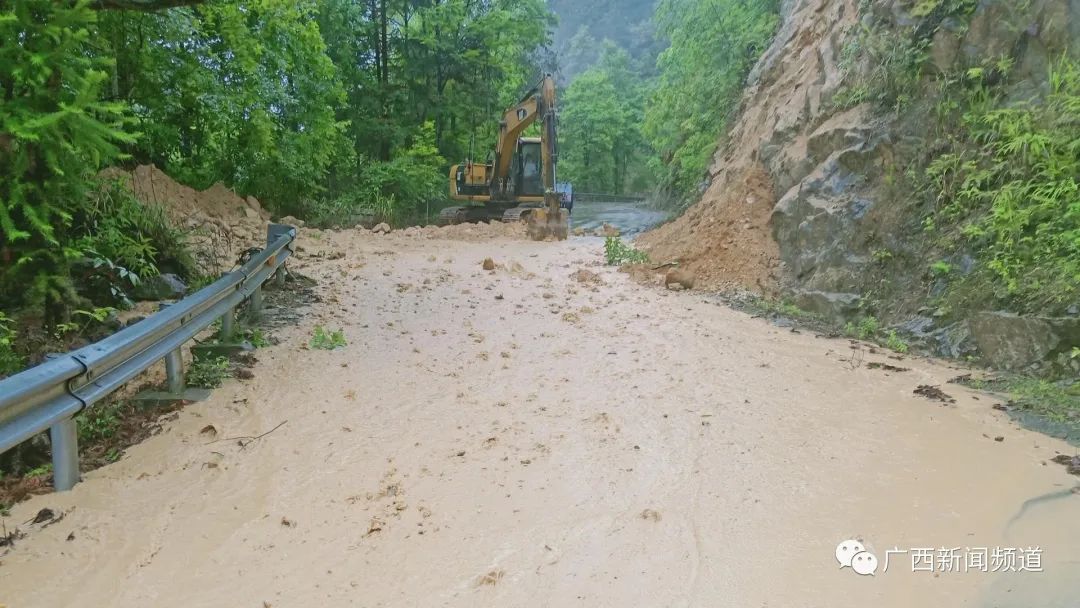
(161, 287)
(1012, 342)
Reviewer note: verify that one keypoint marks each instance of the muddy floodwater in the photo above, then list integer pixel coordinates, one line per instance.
(629, 217)
(541, 436)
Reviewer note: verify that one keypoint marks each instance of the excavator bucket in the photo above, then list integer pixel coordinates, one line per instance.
(544, 223)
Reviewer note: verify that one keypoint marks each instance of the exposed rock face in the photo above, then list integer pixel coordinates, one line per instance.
(830, 169)
(1012, 342)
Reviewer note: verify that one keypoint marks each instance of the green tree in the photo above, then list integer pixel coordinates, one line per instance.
(239, 92)
(603, 149)
(55, 133)
(714, 43)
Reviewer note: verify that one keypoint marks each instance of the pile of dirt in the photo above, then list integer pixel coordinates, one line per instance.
(725, 239)
(219, 223)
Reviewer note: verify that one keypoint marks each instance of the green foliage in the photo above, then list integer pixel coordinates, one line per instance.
(258, 338)
(941, 268)
(603, 149)
(238, 92)
(881, 67)
(55, 132)
(866, 328)
(895, 343)
(41, 471)
(714, 43)
(100, 422)
(208, 373)
(138, 236)
(617, 253)
(328, 340)
(83, 320)
(783, 308)
(10, 361)
(1010, 185)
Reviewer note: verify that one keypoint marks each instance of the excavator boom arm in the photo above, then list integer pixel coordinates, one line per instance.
(539, 103)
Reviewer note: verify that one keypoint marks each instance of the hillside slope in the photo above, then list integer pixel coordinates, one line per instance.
(844, 117)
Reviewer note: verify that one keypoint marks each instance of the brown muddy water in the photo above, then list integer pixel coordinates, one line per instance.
(520, 438)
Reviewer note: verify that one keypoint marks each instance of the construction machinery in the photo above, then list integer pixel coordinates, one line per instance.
(520, 182)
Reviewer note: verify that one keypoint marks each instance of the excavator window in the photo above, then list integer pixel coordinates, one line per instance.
(532, 183)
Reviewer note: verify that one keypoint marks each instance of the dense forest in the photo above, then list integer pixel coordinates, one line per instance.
(650, 88)
(320, 108)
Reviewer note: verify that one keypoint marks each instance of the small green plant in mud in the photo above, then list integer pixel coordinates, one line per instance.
(617, 253)
(42, 471)
(258, 338)
(99, 423)
(783, 308)
(895, 343)
(208, 373)
(328, 340)
(865, 329)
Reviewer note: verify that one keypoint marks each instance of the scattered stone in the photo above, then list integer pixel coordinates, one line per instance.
(491, 578)
(43, 516)
(382, 228)
(488, 264)
(650, 515)
(608, 231)
(679, 279)
(934, 393)
(1072, 463)
(586, 276)
(886, 367)
(209, 430)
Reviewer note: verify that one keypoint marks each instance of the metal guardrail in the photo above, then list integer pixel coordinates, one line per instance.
(49, 395)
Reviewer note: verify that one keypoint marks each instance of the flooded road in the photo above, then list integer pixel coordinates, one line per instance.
(629, 217)
(551, 434)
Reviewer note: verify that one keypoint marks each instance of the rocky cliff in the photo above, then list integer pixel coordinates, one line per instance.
(812, 193)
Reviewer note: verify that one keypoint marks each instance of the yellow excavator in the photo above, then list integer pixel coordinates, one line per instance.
(520, 183)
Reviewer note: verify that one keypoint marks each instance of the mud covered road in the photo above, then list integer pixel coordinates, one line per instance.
(522, 438)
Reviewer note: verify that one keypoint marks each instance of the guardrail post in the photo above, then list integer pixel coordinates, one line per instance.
(64, 437)
(174, 369)
(228, 326)
(255, 303)
(174, 366)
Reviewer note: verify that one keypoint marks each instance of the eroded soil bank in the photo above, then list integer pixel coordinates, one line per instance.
(520, 437)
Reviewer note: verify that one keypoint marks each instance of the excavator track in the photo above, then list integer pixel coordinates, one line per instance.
(453, 215)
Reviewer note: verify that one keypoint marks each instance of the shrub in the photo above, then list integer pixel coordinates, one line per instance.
(208, 373)
(1011, 184)
(617, 253)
